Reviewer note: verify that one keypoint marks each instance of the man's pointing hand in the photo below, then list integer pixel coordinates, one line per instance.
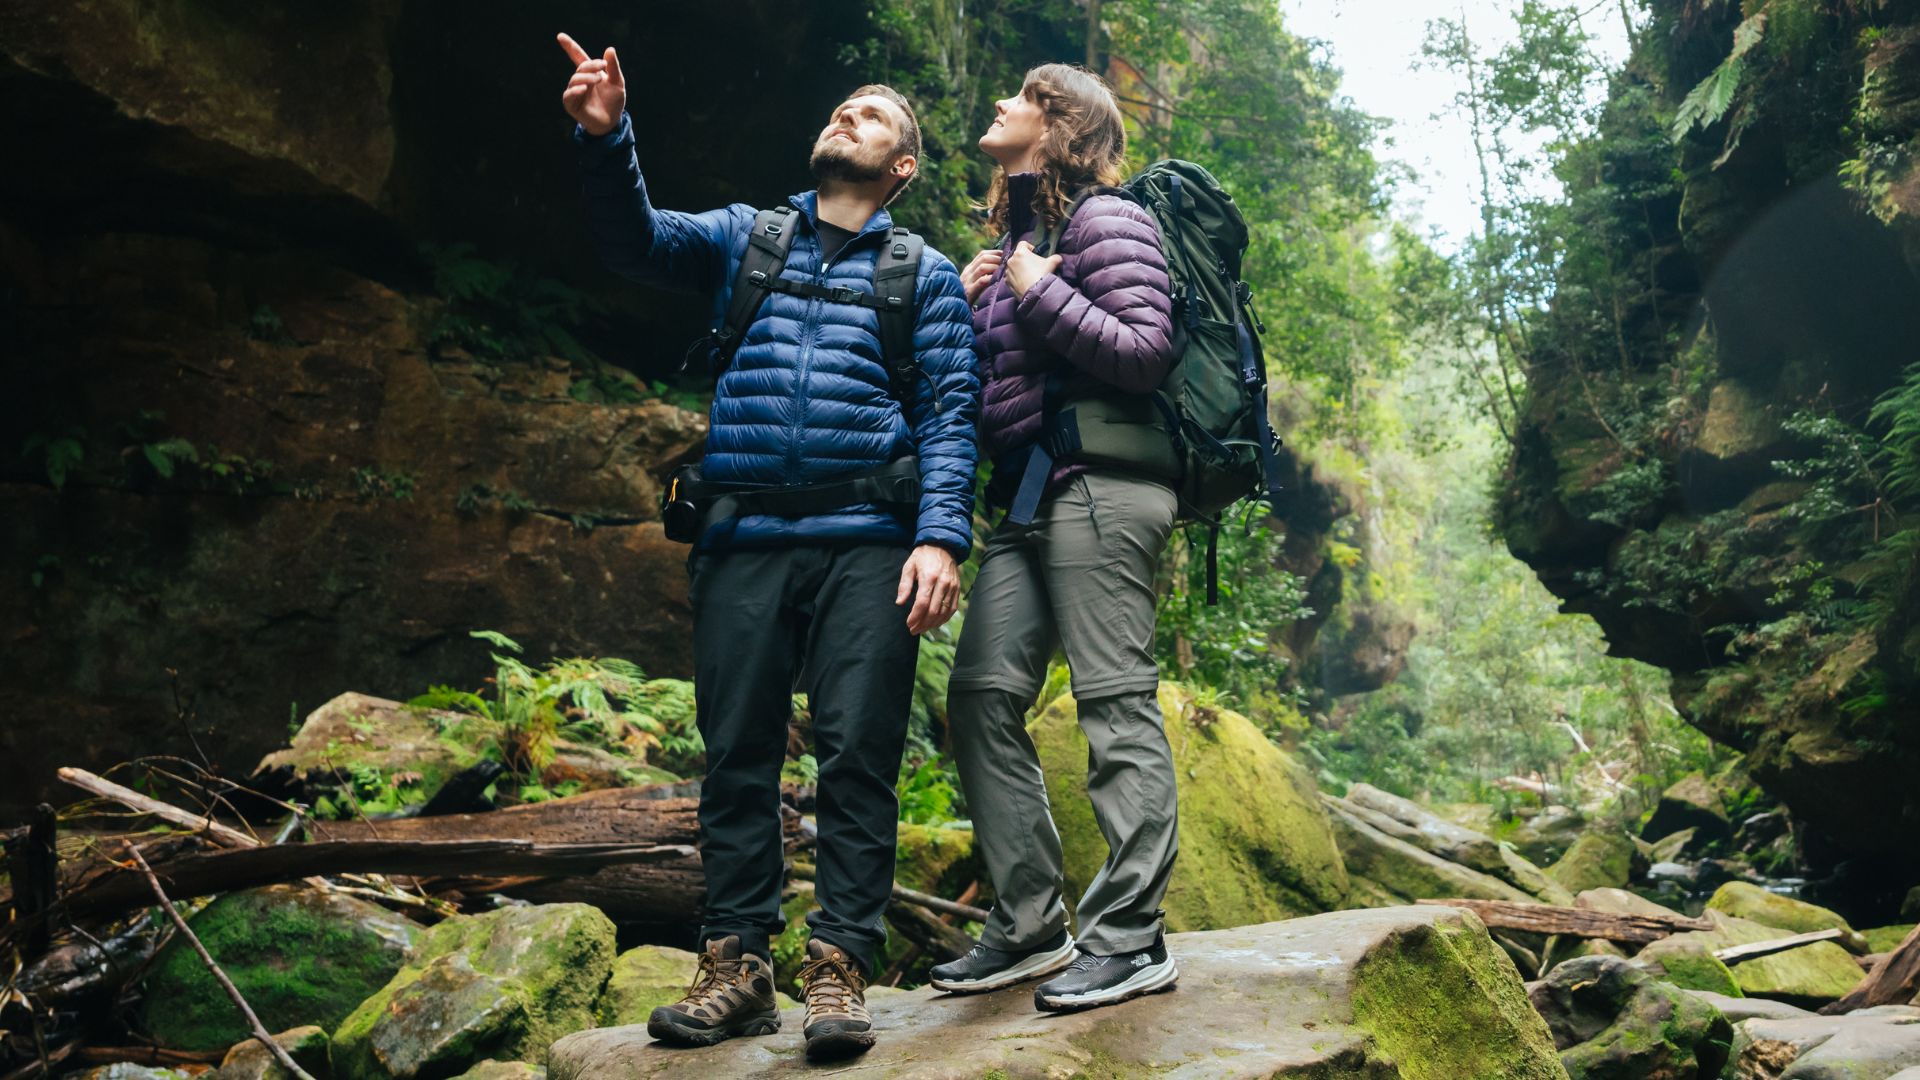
(597, 94)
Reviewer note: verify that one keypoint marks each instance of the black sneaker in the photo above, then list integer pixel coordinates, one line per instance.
(1102, 980)
(987, 968)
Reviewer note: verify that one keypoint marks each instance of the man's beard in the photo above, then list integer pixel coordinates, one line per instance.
(834, 161)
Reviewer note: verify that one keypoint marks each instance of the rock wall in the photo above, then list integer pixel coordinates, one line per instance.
(1759, 294)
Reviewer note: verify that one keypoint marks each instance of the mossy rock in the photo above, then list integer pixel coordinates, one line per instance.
(1598, 860)
(1611, 1022)
(936, 859)
(1691, 803)
(1753, 903)
(1408, 993)
(298, 955)
(128, 1071)
(1809, 976)
(500, 985)
(1399, 872)
(1547, 835)
(358, 733)
(1688, 964)
(1882, 939)
(308, 1046)
(1254, 843)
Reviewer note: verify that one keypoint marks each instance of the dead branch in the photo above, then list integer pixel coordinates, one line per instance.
(107, 789)
(260, 1033)
(902, 894)
(1738, 954)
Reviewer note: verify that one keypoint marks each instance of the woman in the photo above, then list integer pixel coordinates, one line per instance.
(1073, 564)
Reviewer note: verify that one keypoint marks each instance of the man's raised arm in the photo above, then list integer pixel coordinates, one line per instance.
(636, 241)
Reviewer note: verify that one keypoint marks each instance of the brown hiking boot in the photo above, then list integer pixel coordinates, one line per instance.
(838, 1024)
(731, 995)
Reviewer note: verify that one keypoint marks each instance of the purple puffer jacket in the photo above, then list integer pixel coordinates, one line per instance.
(1105, 318)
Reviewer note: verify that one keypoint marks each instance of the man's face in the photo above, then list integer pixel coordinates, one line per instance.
(859, 140)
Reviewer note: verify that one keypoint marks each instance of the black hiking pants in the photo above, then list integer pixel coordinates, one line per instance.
(820, 620)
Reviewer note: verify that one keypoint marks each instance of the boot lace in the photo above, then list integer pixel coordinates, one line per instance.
(712, 977)
(830, 983)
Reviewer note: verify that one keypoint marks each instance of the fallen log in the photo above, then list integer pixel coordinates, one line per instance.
(1575, 922)
(1895, 980)
(661, 891)
(34, 871)
(205, 873)
(1738, 954)
(942, 940)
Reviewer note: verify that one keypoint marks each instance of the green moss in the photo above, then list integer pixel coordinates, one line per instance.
(504, 984)
(1691, 967)
(936, 859)
(1751, 902)
(298, 956)
(1443, 1002)
(1882, 939)
(1597, 860)
(1255, 845)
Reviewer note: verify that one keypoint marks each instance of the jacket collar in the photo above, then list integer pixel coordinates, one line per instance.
(1020, 191)
(808, 203)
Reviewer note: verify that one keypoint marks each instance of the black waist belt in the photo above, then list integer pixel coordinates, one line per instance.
(896, 482)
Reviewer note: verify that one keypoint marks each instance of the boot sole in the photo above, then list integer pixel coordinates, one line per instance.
(1031, 967)
(1150, 979)
(666, 1031)
(839, 1044)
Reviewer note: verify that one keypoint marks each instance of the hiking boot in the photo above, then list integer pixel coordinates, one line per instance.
(1102, 980)
(731, 995)
(838, 1024)
(987, 968)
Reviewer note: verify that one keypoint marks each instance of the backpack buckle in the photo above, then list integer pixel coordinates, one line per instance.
(758, 277)
(844, 294)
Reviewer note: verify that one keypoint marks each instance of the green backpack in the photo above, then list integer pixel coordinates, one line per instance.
(1205, 430)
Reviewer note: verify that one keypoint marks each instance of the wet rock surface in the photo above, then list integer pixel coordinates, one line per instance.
(1612, 1022)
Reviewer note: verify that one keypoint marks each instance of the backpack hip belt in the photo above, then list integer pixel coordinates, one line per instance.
(690, 505)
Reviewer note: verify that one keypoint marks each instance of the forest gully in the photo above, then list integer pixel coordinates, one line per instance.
(1033, 538)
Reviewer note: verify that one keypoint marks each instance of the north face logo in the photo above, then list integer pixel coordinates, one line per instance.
(1141, 960)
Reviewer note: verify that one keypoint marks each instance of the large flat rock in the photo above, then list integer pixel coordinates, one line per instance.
(1412, 993)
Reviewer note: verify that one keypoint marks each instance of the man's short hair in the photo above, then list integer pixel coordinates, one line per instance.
(909, 144)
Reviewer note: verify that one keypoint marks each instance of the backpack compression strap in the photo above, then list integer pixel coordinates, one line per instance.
(896, 271)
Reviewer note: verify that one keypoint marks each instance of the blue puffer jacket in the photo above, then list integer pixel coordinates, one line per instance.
(806, 398)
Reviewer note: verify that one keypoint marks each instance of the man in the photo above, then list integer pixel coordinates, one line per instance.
(809, 396)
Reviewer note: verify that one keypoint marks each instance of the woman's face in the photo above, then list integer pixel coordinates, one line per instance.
(1018, 124)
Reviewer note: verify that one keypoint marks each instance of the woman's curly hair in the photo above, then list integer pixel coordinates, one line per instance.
(1085, 143)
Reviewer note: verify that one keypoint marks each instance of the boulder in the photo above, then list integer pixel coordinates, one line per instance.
(1547, 835)
(1254, 843)
(299, 955)
(127, 1071)
(1690, 965)
(1620, 902)
(1755, 904)
(500, 985)
(1398, 871)
(308, 1046)
(1418, 993)
(1598, 860)
(1856, 1046)
(1530, 879)
(1690, 803)
(1811, 975)
(1611, 1022)
(1674, 847)
(359, 733)
(1429, 831)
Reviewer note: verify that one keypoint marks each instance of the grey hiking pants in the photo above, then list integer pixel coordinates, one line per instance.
(1079, 577)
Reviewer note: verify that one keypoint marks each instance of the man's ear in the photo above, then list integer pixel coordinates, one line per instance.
(904, 168)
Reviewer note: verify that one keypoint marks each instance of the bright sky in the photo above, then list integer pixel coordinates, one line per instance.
(1376, 43)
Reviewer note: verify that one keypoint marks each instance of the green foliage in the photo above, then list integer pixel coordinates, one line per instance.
(372, 483)
(594, 702)
(475, 497)
(59, 455)
(1707, 102)
(927, 792)
(1228, 647)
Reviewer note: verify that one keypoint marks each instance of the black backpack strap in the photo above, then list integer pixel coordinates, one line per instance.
(896, 272)
(768, 244)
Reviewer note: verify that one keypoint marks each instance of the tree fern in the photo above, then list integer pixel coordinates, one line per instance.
(1706, 103)
(1898, 412)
